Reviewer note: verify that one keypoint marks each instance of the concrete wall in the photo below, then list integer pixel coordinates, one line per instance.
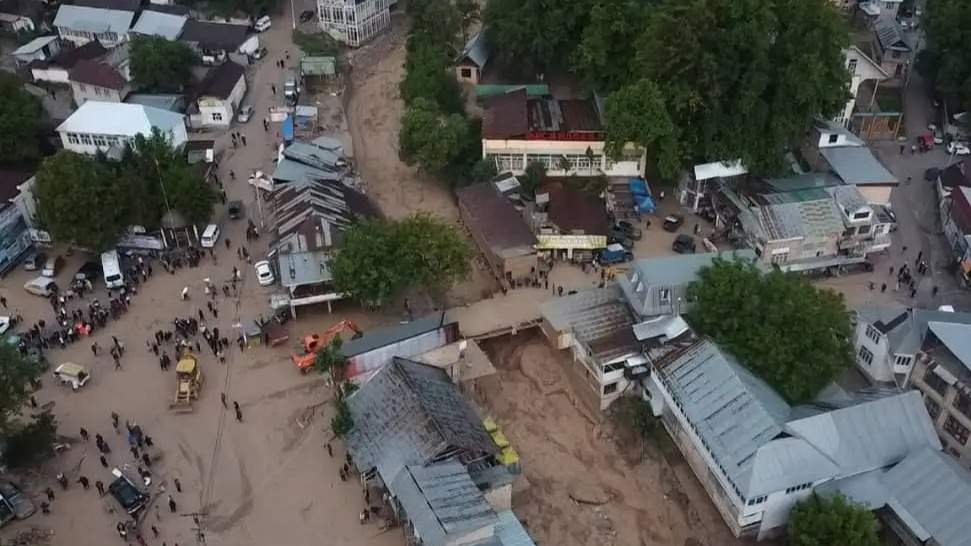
(548, 152)
(879, 369)
(14, 237)
(53, 74)
(86, 144)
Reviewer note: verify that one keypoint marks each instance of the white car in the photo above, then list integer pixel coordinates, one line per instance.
(244, 114)
(41, 286)
(262, 23)
(264, 273)
(958, 148)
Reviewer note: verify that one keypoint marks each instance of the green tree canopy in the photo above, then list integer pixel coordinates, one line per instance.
(160, 65)
(380, 259)
(15, 375)
(744, 79)
(19, 117)
(430, 138)
(946, 25)
(535, 34)
(427, 75)
(637, 113)
(80, 199)
(832, 521)
(605, 54)
(438, 21)
(791, 334)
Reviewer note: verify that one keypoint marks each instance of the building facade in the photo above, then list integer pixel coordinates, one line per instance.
(861, 68)
(82, 24)
(103, 126)
(354, 22)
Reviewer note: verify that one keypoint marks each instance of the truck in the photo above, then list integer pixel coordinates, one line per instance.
(615, 254)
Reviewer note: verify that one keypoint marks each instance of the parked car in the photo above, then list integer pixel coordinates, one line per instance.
(263, 23)
(35, 261)
(235, 209)
(620, 238)
(683, 244)
(71, 374)
(673, 222)
(307, 15)
(264, 273)
(52, 266)
(958, 148)
(630, 229)
(614, 254)
(245, 113)
(128, 495)
(15, 503)
(258, 54)
(41, 286)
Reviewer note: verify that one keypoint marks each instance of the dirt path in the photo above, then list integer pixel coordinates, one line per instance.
(583, 490)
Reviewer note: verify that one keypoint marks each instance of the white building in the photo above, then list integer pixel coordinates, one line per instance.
(81, 24)
(103, 126)
(38, 49)
(861, 68)
(756, 455)
(156, 23)
(354, 22)
(219, 96)
(566, 136)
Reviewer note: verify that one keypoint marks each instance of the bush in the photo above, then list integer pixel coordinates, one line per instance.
(33, 443)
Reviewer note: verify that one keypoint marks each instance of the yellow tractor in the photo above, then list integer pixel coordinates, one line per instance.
(188, 377)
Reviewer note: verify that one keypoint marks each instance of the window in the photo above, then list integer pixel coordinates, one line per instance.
(834, 138)
(610, 389)
(216, 116)
(664, 295)
(800, 487)
(72, 138)
(780, 258)
(851, 66)
(962, 403)
(957, 431)
(99, 141)
(935, 382)
(873, 334)
(903, 361)
(933, 408)
(85, 139)
(861, 215)
(865, 356)
(466, 72)
(757, 500)
(865, 229)
(850, 231)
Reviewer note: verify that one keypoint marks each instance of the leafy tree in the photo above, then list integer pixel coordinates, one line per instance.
(342, 422)
(469, 14)
(637, 113)
(160, 65)
(33, 442)
(744, 79)
(15, 375)
(770, 322)
(945, 58)
(483, 170)
(82, 200)
(430, 138)
(380, 259)
(633, 413)
(535, 34)
(189, 193)
(330, 360)
(427, 75)
(832, 521)
(438, 21)
(532, 177)
(19, 116)
(604, 55)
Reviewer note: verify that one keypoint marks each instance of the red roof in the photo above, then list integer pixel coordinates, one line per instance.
(574, 210)
(961, 209)
(505, 116)
(98, 74)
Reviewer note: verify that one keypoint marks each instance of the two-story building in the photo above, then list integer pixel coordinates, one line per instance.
(98, 80)
(82, 24)
(895, 48)
(354, 22)
(565, 136)
(107, 126)
(756, 455)
(219, 96)
(217, 42)
(42, 48)
(15, 238)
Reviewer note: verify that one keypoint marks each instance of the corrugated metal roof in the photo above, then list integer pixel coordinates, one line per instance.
(857, 165)
(34, 45)
(956, 337)
(932, 493)
(154, 23)
(382, 337)
(477, 50)
(94, 20)
(409, 413)
(442, 502)
(683, 269)
(819, 218)
(511, 532)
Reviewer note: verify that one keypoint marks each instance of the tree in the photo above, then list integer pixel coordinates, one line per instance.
(744, 79)
(633, 413)
(81, 200)
(160, 65)
(20, 113)
(380, 259)
(637, 113)
(832, 521)
(604, 55)
(483, 170)
(438, 21)
(330, 360)
(535, 34)
(771, 322)
(15, 375)
(532, 177)
(427, 75)
(469, 14)
(33, 442)
(430, 138)
(945, 58)
(189, 193)
(342, 422)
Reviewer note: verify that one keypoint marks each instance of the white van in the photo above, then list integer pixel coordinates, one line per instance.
(263, 23)
(111, 265)
(209, 236)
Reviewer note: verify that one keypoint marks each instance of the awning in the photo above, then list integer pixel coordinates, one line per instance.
(565, 242)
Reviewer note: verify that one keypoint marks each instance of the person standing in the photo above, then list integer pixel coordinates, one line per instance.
(178, 485)
(84, 434)
(83, 480)
(172, 505)
(222, 397)
(239, 413)
(50, 494)
(100, 486)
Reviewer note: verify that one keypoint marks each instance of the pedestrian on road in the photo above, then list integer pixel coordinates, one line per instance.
(222, 396)
(50, 494)
(243, 139)
(104, 461)
(84, 434)
(45, 508)
(185, 293)
(178, 485)
(273, 87)
(3, 301)
(146, 459)
(228, 243)
(913, 292)
(83, 480)
(172, 505)
(117, 361)
(232, 175)
(883, 288)
(330, 450)
(114, 421)
(239, 414)
(934, 291)
(148, 441)
(155, 531)
(100, 486)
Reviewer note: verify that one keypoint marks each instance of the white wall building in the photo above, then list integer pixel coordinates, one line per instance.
(354, 22)
(106, 125)
(220, 95)
(38, 49)
(861, 68)
(81, 24)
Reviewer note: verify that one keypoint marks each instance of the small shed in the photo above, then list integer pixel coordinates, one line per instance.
(317, 70)
(470, 64)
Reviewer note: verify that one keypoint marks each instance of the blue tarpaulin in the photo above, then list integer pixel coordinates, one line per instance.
(288, 129)
(642, 195)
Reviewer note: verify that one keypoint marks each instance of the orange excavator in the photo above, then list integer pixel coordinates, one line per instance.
(314, 343)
